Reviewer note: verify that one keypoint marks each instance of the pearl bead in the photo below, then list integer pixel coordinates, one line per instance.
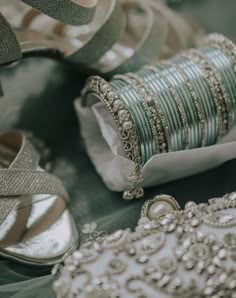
(127, 125)
(158, 209)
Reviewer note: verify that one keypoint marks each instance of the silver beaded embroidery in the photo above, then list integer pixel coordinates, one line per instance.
(196, 262)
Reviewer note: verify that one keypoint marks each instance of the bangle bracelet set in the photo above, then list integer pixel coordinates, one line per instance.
(186, 102)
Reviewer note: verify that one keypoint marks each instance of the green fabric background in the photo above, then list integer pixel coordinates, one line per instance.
(39, 96)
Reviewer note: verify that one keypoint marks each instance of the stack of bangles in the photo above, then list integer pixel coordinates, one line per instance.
(186, 102)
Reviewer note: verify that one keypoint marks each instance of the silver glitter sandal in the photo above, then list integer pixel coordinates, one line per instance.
(105, 45)
(36, 226)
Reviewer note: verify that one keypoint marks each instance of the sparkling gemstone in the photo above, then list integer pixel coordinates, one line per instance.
(118, 105)
(149, 99)
(127, 125)
(104, 88)
(89, 228)
(142, 91)
(222, 253)
(195, 222)
(139, 193)
(111, 96)
(190, 205)
(230, 240)
(149, 270)
(77, 255)
(232, 196)
(128, 195)
(224, 219)
(152, 243)
(199, 252)
(164, 281)
(132, 251)
(143, 259)
(123, 115)
(208, 291)
(171, 227)
(116, 266)
(156, 276)
(167, 265)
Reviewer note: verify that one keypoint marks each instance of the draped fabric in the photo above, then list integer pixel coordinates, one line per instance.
(39, 97)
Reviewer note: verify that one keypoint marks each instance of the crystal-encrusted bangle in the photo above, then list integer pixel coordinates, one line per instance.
(196, 75)
(215, 85)
(120, 113)
(178, 103)
(196, 101)
(220, 72)
(155, 111)
(179, 84)
(136, 101)
(225, 45)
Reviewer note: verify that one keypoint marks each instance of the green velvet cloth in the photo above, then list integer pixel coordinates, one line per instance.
(39, 96)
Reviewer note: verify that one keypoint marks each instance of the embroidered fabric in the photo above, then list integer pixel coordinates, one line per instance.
(187, 253)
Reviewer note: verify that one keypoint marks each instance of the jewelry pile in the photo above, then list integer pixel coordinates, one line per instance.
(183, 103)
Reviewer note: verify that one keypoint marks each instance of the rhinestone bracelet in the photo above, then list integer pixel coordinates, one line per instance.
(163, 97)
(121, 116)
(135, 99)
(196, 100)
(155, 111)
(225, 45)
(180, 86)
(215, 85)
(196, 75)
(178, 102)
(215, 57)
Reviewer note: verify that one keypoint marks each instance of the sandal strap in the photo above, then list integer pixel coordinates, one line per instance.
(111, 30)
(10, 49)
(27, 158)
(26, 182)
(66, 11)
(22, 177)
(149, 45)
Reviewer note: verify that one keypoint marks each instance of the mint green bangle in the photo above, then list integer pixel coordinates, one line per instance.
(186, 102)
(160, 87)
(180, 86)
(226, 72)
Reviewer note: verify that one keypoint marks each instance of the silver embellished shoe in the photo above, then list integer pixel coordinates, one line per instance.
(36, 226)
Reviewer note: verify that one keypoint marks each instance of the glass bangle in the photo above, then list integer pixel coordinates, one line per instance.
(186, 102)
